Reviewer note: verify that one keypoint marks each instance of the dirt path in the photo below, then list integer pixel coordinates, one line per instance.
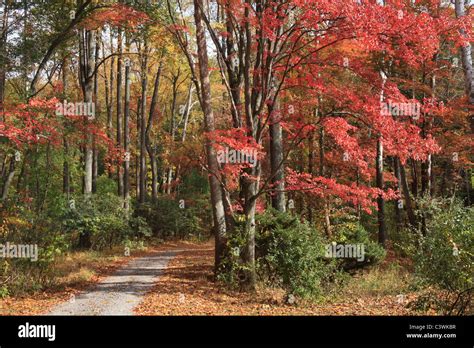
(121, 292)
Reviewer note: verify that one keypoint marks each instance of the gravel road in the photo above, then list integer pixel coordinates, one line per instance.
(121, 292)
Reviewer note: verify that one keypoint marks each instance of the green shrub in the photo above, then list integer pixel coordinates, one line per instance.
(352, 232)
(290, 254)
(103, 221)
(444, 258)
(194, 184)
(176, 218)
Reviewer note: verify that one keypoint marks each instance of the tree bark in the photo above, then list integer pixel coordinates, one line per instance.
(66, 171)
(87, 47)
(109, 92)
(119, 111)
(126, 136)
(466, 55)
(276, 158)
(209, 122)
(151, 147)
(9, 179)
(3, 57)
(406, 193)
(143, 168)
(380, 200)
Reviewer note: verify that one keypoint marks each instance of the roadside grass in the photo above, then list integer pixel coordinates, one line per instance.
(33, 289)
(379, 281)
(78, 268)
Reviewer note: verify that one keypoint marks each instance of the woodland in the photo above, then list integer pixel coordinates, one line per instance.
(319, 150)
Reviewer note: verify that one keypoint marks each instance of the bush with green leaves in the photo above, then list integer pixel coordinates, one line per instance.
(290, 254)
(23, 227)
(352, 232)
(103, 221)
(444, 257)
(177, 218)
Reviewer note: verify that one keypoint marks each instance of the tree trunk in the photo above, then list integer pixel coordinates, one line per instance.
(151, 148)
(414, 179)
(185, 120)
(119, 111)
(209, 122)
(406, 193)
(380, 200)
(310, 170)
(326, 203)
(88, 46)
(249, 275)
(66, 174)
(398, 207)
(9, 179)
(143, 168)
(86, 76)
(126, 135)
(109, 92)
(95, 150)
(137, 157)
(3, 57)
(466, 55)
(66, 171)
(276, 158)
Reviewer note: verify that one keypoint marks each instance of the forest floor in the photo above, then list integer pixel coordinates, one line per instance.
(187, 288)
(177, 279)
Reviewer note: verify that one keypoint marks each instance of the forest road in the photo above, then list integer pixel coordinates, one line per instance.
(121, 292)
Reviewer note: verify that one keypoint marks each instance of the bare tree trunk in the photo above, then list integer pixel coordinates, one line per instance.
(109, 92)
(185, 120)
(233, 70)
(137, 157)
(9, 179)
(250, 276)
(310, 170)
(426, 176)
(95, 150)
(382, 236)
(151, 148)
(66, 171)
(169, 177)
(406, 192)
(414, 178)
(398, 206)
(66, 174)
(209, 122)
(380, 200)
(87, 47)
(126, 135)
(466, 55)
(143, 168)
(119, 111)
(276, 158)
(253, 97)
(3, 57)
(86, 77)
(326, 203)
